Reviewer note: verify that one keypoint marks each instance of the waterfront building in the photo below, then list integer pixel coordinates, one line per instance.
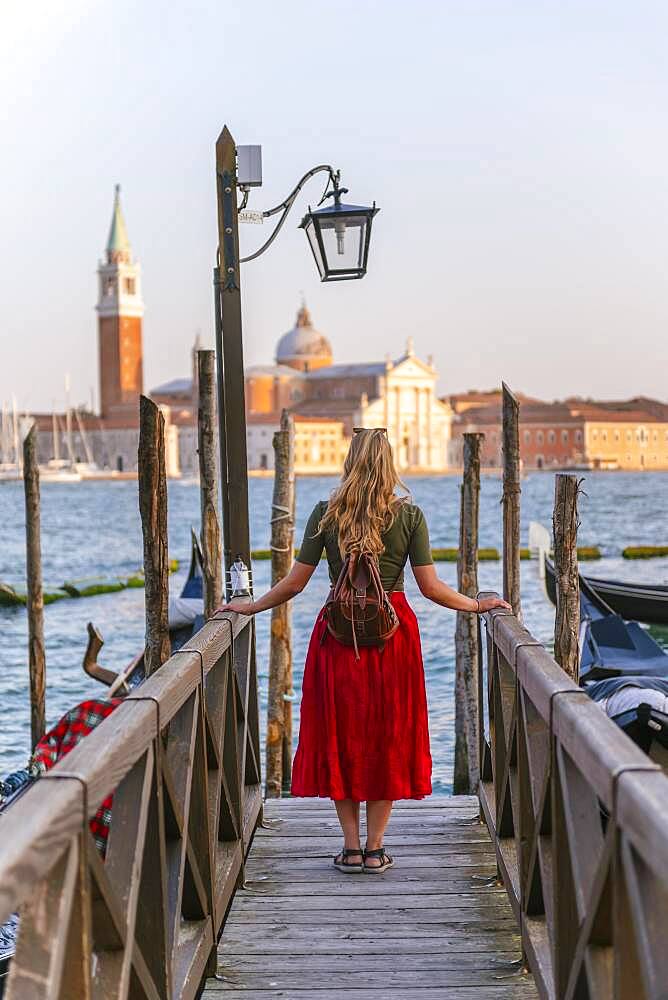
(575, 433)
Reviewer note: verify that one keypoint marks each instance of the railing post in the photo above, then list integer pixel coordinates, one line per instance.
(153, 509)
(567, 617)
(35, 594)
(280, 653)
(467, 652)
(208, 483)
(511, 500)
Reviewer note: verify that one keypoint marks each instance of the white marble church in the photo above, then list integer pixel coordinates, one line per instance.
(329, 399)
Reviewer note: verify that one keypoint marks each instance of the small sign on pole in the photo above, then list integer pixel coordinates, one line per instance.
(257, 218)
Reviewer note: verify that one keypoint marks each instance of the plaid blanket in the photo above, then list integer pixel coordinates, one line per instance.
(64, 736)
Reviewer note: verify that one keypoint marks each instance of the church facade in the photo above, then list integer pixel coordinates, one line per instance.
(328, 400)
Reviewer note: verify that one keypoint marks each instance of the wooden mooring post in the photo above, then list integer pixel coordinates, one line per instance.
(208, 482)
(279, 740)
(153, 510)
(567, 617)
(35, 593)
(467, 764)
(511, 500)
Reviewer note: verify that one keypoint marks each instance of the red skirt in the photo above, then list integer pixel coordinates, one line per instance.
(364, 732)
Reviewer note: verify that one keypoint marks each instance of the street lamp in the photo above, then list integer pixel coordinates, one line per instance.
(339, 234)
(339, 237)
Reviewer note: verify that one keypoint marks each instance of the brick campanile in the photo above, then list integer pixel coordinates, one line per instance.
(120, 309)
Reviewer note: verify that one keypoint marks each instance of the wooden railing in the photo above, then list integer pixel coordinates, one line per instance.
(579, 816)
(181, 757)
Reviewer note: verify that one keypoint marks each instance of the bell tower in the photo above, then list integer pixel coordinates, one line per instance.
(120, 309)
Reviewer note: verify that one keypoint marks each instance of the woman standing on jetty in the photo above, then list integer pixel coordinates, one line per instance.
(363, 734)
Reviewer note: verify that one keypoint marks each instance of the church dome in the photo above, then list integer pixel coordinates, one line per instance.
(304, 347)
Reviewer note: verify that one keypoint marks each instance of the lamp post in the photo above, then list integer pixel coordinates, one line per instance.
(338, 234)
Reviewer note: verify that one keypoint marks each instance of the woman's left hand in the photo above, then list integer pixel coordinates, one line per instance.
(242, 606)
(489, 603)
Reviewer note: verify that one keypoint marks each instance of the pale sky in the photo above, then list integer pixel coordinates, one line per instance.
(516, 148)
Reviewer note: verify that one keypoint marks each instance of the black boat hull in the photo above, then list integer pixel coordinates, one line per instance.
(636, 602)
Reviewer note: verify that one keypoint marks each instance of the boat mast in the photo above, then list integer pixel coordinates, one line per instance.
(68, 420)
(56, 442)
(17, 443)
(4, 435)
(84, 438)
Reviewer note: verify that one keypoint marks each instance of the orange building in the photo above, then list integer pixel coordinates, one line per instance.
(576, 433)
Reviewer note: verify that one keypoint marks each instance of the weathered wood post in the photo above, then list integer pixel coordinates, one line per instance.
(280, 654)
(35, 594)
(153, 510)
(467, 764)
(289, 689)
(208, 481)
(567, 617)
(511, 500)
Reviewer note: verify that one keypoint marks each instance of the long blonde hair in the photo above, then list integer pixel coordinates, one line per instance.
(364, 506)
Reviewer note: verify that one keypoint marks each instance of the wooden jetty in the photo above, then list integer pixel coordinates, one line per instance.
(437, 925)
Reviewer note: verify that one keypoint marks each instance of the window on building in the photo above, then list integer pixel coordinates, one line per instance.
(109, 285)
(594, 434)
(551, 437)
(263, 461)
(628, 437)
(578, 436)
(616, 435)
(656, 436)
(527, 437)
(129, 286)
(564, 437)
(604, 435)
(539, 437)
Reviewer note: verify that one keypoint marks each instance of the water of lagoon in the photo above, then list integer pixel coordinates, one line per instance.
(93, 529)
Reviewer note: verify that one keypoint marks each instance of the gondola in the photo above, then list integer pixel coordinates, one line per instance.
(185, 618)
(638, 602)
(622, 668)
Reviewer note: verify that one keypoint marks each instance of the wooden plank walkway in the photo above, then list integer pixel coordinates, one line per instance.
(435, 926)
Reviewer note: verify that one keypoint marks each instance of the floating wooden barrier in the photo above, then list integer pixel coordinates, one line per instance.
(12, 595)
(644, 551)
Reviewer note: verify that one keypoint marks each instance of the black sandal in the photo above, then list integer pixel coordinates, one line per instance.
(384, 858)
(349, 867)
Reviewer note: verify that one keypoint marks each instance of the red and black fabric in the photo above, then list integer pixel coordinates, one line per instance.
(364, 732)
(64, 736)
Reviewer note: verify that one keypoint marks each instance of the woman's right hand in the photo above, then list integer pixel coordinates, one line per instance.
(489, 603)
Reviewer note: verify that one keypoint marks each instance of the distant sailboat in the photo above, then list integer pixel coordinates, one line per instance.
(11, 465)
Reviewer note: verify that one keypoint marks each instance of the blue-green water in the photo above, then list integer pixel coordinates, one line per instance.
(94, 528)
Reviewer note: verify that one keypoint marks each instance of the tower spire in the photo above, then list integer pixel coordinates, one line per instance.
(118, 244)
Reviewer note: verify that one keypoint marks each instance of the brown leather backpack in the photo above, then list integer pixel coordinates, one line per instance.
(358, 612)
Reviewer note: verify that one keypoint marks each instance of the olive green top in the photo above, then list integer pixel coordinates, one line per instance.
(406, 538)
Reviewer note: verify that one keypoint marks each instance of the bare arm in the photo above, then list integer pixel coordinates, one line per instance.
(440, 593)
(285, 590)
